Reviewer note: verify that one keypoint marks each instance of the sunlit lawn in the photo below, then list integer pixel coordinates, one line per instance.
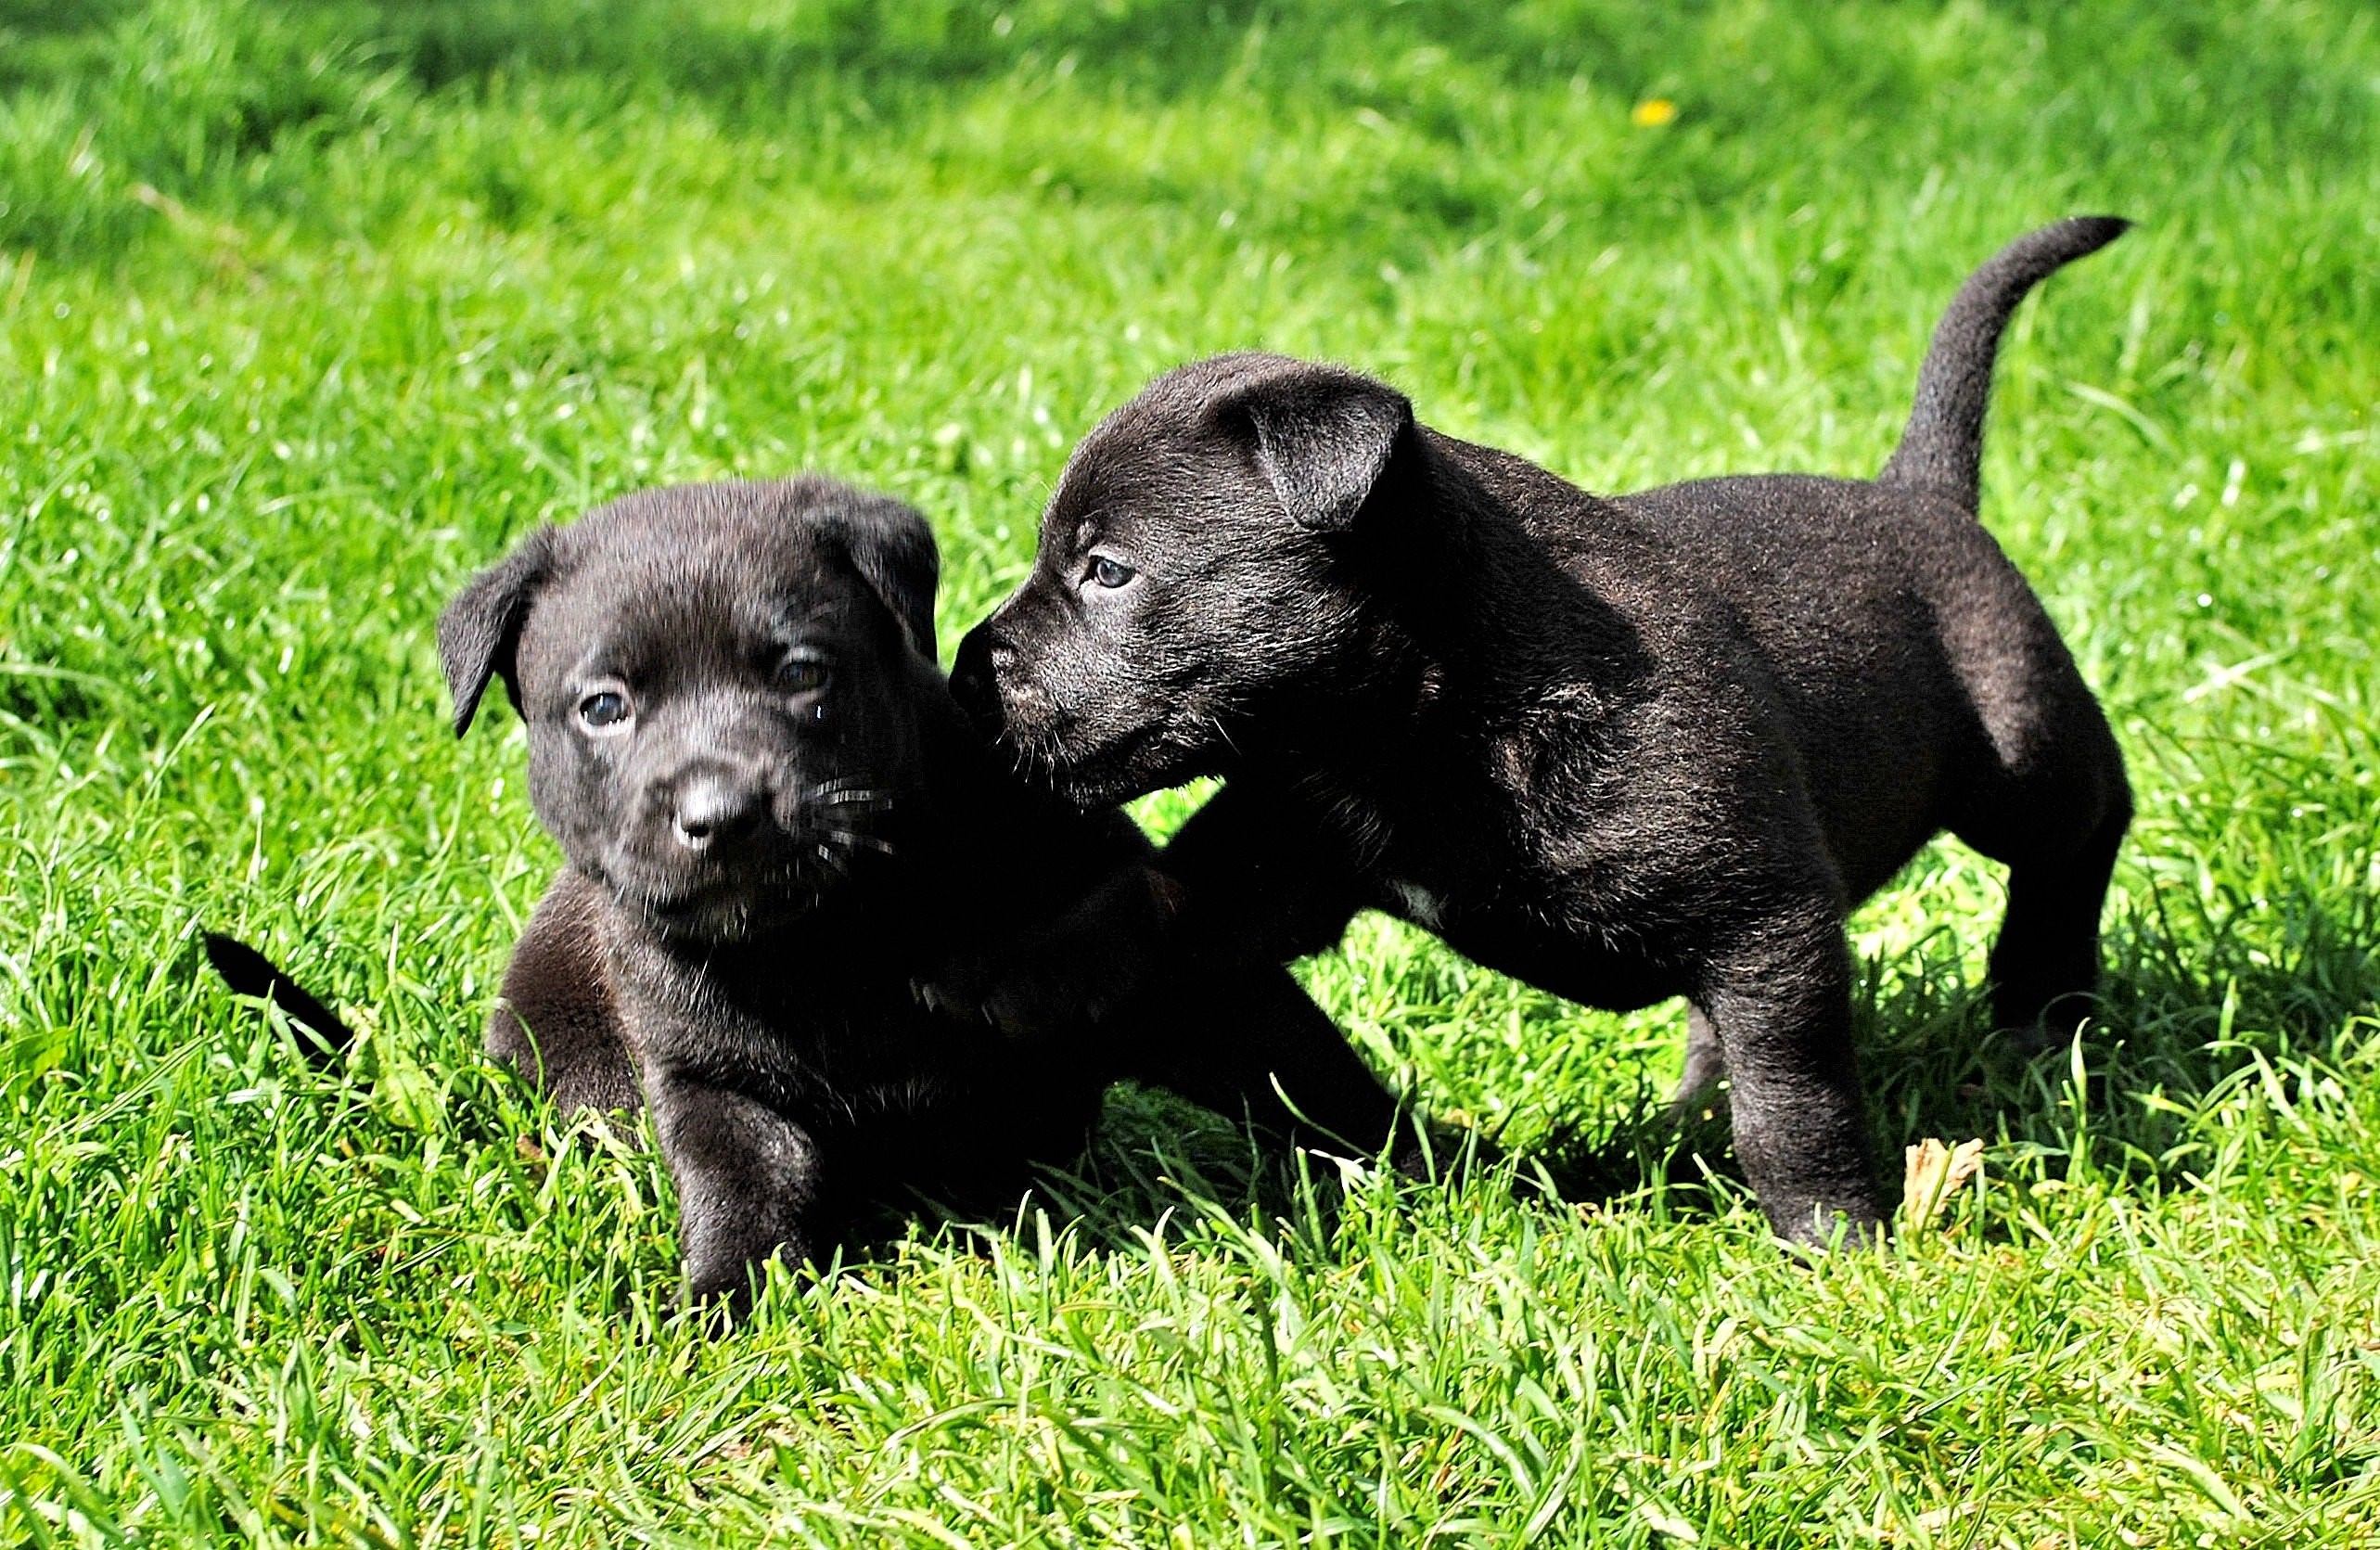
(306, 309)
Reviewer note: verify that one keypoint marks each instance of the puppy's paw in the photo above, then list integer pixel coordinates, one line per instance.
(955, 991)
(1811, 1228)
(1074, 971)
(1046, 984)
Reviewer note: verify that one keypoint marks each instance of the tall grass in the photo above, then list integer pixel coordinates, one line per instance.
(306, 309)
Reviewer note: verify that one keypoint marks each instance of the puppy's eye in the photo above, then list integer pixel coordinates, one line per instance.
(1109, 573)
(605, 708)
(804, 674)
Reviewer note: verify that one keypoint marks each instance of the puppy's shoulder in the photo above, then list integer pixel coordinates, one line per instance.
(560, 969)
(558, 1019)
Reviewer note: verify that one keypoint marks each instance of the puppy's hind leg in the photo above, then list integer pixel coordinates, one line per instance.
(2046, 963)
(2056, 827)
(2040, 789)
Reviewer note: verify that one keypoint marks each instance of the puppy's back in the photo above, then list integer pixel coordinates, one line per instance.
(1901, 647)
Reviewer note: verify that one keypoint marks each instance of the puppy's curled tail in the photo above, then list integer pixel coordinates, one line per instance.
(249, 972)
(1943, 447)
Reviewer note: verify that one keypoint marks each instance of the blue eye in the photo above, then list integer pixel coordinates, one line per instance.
(804, 674)
(1110, 573)
(604, 708)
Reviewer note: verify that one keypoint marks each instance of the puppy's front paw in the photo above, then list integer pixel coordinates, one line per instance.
(1076, 970)
(957, 990)
(1046, 984)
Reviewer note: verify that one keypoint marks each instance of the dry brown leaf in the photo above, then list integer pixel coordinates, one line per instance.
(1936, 1173)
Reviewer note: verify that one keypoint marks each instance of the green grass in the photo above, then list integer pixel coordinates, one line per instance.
(305, 309)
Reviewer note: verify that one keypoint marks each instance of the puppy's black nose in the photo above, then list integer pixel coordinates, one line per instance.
(975, 676)
(711, 806)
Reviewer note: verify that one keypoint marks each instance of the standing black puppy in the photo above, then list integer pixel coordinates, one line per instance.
(776, 820)
(1624, 748)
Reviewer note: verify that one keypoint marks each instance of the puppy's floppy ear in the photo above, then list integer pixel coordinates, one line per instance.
(481, 629)
(1323, 438)
(893, 550)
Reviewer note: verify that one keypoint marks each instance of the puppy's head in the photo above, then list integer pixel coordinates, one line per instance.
(726, 689)
(1192, 586)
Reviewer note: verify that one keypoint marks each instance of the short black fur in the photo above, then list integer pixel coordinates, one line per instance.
(1622, 748)
(249, 972)
(778, 824)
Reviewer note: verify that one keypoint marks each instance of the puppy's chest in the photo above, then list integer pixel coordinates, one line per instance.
(884, 1053)
(1458, 880)
(1434, 856)
(1467, 902)
(837, 1050)
(1553, 914)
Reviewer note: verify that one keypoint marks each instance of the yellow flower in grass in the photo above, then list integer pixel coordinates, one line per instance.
(1653, 113)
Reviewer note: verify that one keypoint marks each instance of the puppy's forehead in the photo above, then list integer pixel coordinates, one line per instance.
(674, 569)
(1113, 473)
(680, 541)
(1157, 439)
(747, 519)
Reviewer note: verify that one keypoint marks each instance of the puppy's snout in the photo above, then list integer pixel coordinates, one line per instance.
(713, 806)
(976, 672)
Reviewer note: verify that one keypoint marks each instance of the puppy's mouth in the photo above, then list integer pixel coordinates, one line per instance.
(722, 912)
(1091, 774)
(1058, 746)
(737, 904)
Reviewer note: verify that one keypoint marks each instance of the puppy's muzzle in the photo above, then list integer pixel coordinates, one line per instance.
(983, 661)
(710, 805)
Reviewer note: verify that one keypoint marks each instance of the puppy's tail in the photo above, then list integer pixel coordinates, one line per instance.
(1943, 447)
(249, 972)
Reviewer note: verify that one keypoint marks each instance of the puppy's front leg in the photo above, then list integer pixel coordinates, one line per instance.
(1260, 877)
(1247, 1040)
(1247, 879)
(559, 1024)
(749, 1182)
(1778, 999)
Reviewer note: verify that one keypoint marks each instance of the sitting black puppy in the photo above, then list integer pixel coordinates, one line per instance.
(776, 822)
(1624, 748)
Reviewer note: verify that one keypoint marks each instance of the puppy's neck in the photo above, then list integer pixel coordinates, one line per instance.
(1472, 620)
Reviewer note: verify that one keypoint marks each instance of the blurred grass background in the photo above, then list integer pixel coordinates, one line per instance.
(307, 309)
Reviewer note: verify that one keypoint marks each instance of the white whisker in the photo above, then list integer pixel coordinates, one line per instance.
(847, 837)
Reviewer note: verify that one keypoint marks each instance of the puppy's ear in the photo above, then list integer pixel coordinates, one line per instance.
(481, 629)
(1323, 438)
(891, 547)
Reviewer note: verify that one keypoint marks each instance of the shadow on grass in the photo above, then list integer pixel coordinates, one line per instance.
(2184, 1013)
(2190, 1008)
(60, 19)
(185, 99)
(1159, 49)
(879, 57)
(51, 40)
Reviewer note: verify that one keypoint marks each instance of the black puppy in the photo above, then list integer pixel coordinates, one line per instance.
(776, 820)
(1622, 748)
